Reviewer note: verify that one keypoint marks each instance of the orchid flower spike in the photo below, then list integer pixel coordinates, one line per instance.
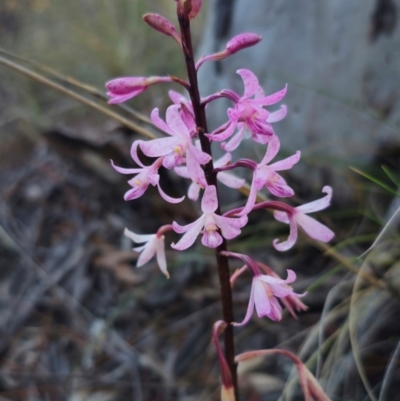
(249, 114)
(153, 245)
(146, 175)
(125, 88)
(178, 148)
(267, 176)
(227, 179)
(210, 224)
(265, 290)
(227, 390)
(298, 217)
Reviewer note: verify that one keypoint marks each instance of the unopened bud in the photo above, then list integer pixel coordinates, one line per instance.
(161, 24)
(236, 44)
(196, 6)
(242, 41)
(125, 88)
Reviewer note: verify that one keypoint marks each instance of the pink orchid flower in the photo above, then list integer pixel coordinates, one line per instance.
(298, 217)
(264, 293)
(209, 224)
(292, 302)
(153, 245)
(146, 175)
(178, 148)
(265, 290)
(227, 179)
(249, 113)
(266, 175)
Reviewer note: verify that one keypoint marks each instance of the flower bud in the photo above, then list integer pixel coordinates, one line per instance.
(196, 6)
(242, 41)
(227, 390)
(239, 42)
(125, 88)
(161, 24)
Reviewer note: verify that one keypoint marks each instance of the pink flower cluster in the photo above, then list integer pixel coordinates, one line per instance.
(180, 151)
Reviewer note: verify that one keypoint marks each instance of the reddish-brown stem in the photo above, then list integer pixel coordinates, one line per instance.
(211, 177)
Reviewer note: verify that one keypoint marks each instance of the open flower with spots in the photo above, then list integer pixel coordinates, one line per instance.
(227, 179)
(266, 175)
(178, 147)
(297, 216)
(145, 176)
(211, 225)
(153, 245)
(248, 113)
(265, 290)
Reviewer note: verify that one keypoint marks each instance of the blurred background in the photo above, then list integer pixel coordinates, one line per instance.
(78, 321)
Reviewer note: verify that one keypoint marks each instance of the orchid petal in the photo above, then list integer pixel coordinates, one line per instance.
(126, 170)
(235, 140)
(161, 259)
(209, 203)
(195, 171)
(261, 299)
(314, 228)
(182, 171)
(230, 180)
(188, 119)
(200, 156)
(138, 238)
(182, 229)
(169, 198)
(251, 200)
(260, 177)
(259, 126)
(223, 161)
(174, 121)
(211, 239)
(159, 123)
(272, 150)
(140, 248)
(230, 227)
(250, 307)
(174, 158)
(271, 99)
(285, 245)
(148, 252)
(190, 237)
(135, 192)
(194, 191)
(287, 163)
(115, 99)
(224, 134)
(134, 153)
(176, 97)
(250, 82)
(277, 115)
(276, 310)
(160, 146)
(281, 216)
(278, 186)
(318, 204)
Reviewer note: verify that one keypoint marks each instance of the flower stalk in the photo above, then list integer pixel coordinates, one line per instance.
(211, 178)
